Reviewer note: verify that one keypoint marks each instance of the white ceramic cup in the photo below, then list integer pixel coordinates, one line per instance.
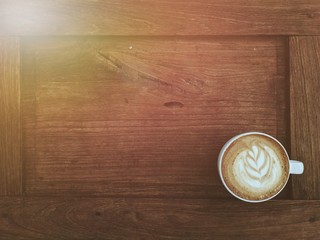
(295, 167)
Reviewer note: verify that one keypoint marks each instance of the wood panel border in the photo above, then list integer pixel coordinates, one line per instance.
(117, 218)
(10, 129)
(161, 17)
(305, 113)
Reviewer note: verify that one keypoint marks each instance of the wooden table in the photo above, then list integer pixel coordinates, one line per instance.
(112, 115)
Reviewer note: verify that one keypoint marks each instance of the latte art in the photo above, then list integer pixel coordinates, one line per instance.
(255, 167)
(257, 164)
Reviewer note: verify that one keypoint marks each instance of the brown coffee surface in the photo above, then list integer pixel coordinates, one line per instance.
(255, 167)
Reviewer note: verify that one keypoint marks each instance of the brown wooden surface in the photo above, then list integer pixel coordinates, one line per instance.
(144, 116)
(10, 130)
(141, 120)
(161, 17)
(97, 218)
(305, 113)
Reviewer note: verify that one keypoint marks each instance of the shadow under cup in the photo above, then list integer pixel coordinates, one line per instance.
(255, 167)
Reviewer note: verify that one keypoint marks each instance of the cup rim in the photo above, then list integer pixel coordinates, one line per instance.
(228, 143)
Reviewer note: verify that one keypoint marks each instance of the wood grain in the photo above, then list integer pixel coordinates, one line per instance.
(161, 17)
(10, 125)
(144, 116)
(91, 218)
(305, 113)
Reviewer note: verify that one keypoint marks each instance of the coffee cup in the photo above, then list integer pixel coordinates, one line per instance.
(255, 167)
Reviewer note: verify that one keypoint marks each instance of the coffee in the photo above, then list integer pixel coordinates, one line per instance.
(255, 167)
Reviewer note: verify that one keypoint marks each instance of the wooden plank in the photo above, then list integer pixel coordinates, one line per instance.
(305, 114)
(161, 17)
(144, 116)
(10, 125)
(98, 218)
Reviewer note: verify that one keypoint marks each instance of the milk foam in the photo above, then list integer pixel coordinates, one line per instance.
(257, 167)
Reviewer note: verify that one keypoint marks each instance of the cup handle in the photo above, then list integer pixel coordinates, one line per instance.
(296, 167)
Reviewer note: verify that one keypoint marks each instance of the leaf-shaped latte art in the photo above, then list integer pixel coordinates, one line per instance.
(258, 163)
